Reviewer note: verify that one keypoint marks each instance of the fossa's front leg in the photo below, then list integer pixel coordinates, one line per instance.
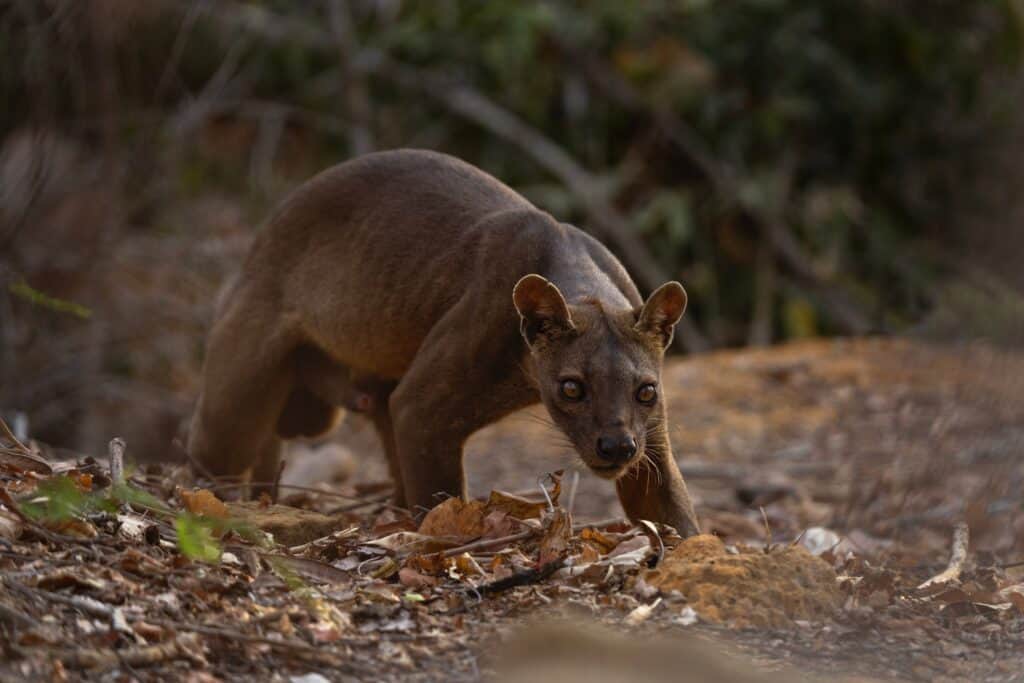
(655, 490)
(447, 395)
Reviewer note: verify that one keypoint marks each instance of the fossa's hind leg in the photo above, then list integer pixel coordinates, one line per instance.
(322, 385)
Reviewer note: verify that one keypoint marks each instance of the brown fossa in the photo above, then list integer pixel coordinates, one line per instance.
(428, 295)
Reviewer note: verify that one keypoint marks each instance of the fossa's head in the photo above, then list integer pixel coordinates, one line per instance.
(598, 370)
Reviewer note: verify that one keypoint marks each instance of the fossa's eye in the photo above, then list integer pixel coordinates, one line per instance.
(571, 389)
(647, 394)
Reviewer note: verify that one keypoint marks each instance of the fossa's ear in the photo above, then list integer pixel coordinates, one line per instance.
(662, 310)
(544, 315)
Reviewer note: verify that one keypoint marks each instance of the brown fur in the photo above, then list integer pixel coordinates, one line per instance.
(387, 283)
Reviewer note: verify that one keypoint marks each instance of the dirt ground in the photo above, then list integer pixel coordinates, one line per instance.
(866, 453)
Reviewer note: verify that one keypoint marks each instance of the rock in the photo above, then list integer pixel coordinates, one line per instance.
(751, 588)
(818, 539)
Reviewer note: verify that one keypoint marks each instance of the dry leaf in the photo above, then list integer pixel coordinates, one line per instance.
(10, 527)
(410, 578)
(455, 517)
(554, 545)
(603, 543)
(467, 566)
(203, 502)
(71, 526)
(516, 506)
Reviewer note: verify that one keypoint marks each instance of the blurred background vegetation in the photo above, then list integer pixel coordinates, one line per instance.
(804, 167)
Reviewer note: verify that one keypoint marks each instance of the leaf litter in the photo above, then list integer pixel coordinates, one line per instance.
(155, 579)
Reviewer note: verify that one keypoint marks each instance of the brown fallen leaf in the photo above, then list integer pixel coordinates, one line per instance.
(71, 526)
(410, 578)
(203, 502)
(466, 565)
(516, 506)
(431, 564)
(456, 518)
(499, 524)
(600, 541)
(554, 544)
(10, 527)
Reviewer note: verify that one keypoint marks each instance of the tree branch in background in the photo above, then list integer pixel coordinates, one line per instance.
(846, 313)
(356, 93)
(762, 320)
(604, 219)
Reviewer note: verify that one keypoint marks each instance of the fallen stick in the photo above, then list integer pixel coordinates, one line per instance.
(489, 543)
(10, 435)
(957, 557)
(380, 499)
(10, 615)
(291, 487)
(185, 646)
(20, 455)
(523, 578)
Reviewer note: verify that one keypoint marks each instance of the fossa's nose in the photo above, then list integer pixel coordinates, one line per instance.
(616, 449)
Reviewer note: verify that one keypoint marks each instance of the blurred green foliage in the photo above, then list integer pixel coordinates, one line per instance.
(852, 122)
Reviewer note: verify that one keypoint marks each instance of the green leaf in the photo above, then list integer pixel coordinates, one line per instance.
(125, 493)
(195, 538)
(57, 499)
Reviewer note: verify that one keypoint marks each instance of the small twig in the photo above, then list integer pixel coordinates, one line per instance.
(277, 481)
(767, 530)
(228, 486)
(185, 646)
(84, 604)
(523, 578)
(488, 543)
(543, 489)
(573, 485)
(957, 557)
(115, 450)
(10, 435)
(379, 499)
(12, 616)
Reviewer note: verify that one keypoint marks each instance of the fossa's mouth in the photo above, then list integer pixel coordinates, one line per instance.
(606, 471)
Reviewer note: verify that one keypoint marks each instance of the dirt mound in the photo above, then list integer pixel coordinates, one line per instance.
(751, 588)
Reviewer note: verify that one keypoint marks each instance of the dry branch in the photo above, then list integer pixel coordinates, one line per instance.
(723, 180)
(489, 543)
(187, 646)
(604, 219)
(462, 100)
